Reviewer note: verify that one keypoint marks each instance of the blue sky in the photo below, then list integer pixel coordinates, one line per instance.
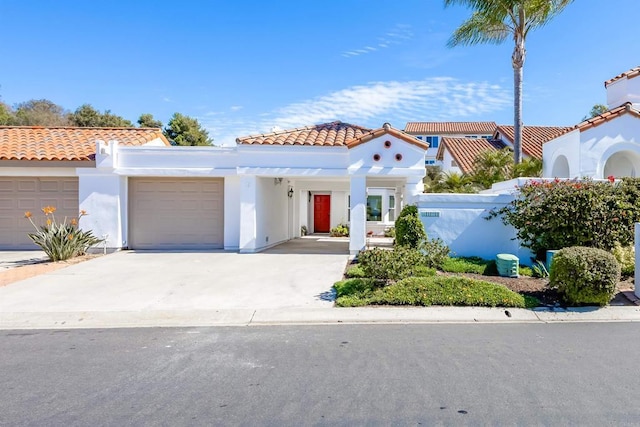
(244, 67)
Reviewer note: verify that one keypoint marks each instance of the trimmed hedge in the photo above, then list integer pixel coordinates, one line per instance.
(584, 275)
(409, 229)
(384, 264)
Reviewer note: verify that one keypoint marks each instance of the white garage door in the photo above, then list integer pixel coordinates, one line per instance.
(21, 194)
(176, 213)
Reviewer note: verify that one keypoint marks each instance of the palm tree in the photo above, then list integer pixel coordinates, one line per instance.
(492, 166)
(454, 182)
(493, 21)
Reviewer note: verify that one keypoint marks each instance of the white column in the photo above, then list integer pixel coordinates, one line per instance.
(413, 188)
(104, 197)
(358, 229)
(248, 214)
(637, 273)
(231, 213)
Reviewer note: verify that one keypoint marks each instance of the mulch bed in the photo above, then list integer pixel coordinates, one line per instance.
(539, 288)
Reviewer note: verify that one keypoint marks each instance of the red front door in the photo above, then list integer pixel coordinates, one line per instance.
(321, 213)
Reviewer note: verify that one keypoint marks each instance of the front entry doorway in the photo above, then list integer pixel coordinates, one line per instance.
(321, 213)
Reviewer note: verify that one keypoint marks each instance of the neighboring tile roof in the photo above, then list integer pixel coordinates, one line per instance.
(384, 130)
(532, 137)
(625, 108)
(327, 134)
(465, 150)
(444, 128)
(66, 143)
(634, 72)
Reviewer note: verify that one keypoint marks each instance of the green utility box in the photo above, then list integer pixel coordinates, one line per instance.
(508, 265)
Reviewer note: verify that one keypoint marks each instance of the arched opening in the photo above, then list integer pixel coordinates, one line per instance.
(560, 168)
(621, 164)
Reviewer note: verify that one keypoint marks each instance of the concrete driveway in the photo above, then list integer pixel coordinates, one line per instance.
(297, 274)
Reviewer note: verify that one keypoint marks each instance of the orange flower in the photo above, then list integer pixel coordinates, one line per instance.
(48, 210)
(27, 214)
(70, 237)
(48, 222)
(83, 212)
(74, 221)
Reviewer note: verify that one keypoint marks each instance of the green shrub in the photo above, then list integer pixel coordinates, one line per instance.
(584, 275)
(355, 271)
(525, 271)
(474, 264)
(423, 271)
(340, 230)
(626, 257)
(559, 214)
(387, 264)
(409, 229)
(433, 290)
(61, 240)
(435, 252)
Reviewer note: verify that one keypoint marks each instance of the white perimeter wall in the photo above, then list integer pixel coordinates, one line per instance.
(459, 220)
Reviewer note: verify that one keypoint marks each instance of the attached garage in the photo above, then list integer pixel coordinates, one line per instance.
(21, 194)
(176, 213)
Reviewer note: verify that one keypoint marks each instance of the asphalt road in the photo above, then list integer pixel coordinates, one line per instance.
(553, 374)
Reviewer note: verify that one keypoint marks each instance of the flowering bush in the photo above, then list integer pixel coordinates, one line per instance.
(61, 240)
(341, 230)
(558, 214)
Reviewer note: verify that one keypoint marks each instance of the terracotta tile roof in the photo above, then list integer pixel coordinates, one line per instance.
(532, 137)
(386, 129)
(465, 150)
(327, 134)
(66, 143)
(625, 108)
(444, 128)
(634, 72)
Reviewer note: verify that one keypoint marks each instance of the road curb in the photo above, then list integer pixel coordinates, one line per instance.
(312, 316)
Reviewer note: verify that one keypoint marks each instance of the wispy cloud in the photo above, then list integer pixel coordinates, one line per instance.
(372, 104)
(397, 35)
(236, 107)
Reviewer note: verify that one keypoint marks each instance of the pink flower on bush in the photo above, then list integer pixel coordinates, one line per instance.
(611, 178)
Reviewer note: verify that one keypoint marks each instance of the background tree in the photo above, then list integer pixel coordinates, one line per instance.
(454, 182)
(6, 115)
(87, 116)
(147, 121)
(596, 110)
(493, 21)
(185, 130)
(492, 166)
(39, 112)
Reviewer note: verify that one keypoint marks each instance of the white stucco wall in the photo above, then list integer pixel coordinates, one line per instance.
(623, 90)
(566, 146)
(447, 160)
(459, 220)
(272, 212)
(231, 212)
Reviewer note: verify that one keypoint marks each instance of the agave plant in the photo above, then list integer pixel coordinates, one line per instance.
(61, 240)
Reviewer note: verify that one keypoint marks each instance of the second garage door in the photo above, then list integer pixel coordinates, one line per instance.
(21, 194)
(176, 213)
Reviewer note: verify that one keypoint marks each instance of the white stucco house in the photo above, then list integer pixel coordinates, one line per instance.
(141, 193)
(603, 146)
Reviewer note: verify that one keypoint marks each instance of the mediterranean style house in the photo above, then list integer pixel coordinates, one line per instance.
(141, 193)
(433, 133)
(605, 145)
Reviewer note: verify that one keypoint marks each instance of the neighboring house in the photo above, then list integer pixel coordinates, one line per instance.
(433, 132)
(605, 145)
(244, 198)
(38, 167)
(458, 154)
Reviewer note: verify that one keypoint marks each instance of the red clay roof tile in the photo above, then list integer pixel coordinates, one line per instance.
(532, 137)
(465, 150)
(634, 72)
(443, 128)
(66, 143)
(327, 134)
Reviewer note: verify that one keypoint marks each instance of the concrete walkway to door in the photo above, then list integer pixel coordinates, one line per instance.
(296, 274)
